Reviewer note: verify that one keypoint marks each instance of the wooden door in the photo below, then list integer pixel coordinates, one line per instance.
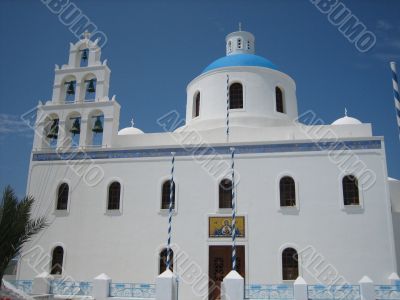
(220, 264)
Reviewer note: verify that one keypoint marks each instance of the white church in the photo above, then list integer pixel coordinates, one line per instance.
(311, 201)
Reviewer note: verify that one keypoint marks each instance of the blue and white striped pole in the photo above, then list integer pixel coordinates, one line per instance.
(227, 106)
(171, 196)
(233, 210)
(396, 93)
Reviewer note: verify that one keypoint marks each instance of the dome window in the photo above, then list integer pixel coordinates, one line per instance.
(248, 45)
(229, 46)
(236, 96)
(279, 100)
(239, 43)
(196, 105)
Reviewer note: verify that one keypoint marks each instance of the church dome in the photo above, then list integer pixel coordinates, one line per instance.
(240, 60)
(347, 121)
(130, 130)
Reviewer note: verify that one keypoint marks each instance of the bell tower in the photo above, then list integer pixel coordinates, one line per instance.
(80, 113)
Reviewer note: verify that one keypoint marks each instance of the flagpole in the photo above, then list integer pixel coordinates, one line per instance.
(233, 210)
(170, 211)
(396, 93)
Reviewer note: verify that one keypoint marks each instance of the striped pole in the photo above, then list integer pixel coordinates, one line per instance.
(233, 210)
(171, 196)
(227, 106)
(396, 92)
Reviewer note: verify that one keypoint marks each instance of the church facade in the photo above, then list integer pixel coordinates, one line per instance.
(312, 200)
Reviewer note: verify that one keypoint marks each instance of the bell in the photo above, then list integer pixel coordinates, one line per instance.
(53, 132)
(84, 54)
(71, 89)
(91, 88)
(98, 126)
(76, 127)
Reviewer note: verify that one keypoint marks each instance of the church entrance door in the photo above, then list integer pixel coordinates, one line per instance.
(220, 264)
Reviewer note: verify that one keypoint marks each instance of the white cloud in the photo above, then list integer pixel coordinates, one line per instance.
(13, 124)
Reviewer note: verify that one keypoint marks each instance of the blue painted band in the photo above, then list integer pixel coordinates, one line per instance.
(211, 150)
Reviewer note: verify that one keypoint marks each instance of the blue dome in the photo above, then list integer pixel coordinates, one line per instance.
(238, 60)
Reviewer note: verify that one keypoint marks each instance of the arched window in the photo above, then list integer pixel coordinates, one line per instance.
(163, 260)
(279, 100)
(290, 264)
(350, 190)
(62, 196)
(165, 194)
(196, 105)
(235, 96)
(229, 46)
(287, 190)
(225, 193)
(248, 45)
(57, 261)
(114, 194)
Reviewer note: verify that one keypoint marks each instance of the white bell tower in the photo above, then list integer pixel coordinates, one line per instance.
(80, 113)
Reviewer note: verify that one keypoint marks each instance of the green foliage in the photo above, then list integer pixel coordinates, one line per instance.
(16, 226)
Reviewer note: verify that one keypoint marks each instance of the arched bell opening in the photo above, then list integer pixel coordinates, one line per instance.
(51, 131)
(90, 85)
(95, 128)
(83, 57)
(68, 89)
(73, 129)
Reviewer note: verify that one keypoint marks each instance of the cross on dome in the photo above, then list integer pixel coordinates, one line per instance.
(132, 123)
(240, 26)
(345, 112)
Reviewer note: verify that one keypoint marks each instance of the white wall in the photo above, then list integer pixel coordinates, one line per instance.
(356, 242)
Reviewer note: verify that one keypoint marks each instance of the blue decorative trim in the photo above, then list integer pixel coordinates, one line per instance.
(132, 290)
(268, 291)
(211, 150)
(70, 288)
(23, 285)
(333, 292)
(387, 292)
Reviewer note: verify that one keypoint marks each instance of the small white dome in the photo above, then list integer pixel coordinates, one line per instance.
(347, 121)
(130, 131)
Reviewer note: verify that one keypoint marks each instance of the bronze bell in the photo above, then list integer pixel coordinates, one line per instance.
(71, 89)
(53, 132)
(76, 127)
(98, 126)
(84, 54)
(90, 87)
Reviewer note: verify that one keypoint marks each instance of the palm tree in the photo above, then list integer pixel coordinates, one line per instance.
(16, 226)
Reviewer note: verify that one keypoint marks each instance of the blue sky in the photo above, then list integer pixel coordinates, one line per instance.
(155, 48)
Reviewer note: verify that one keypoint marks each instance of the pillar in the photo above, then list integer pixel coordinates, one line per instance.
(233, 286)
(166, 286)
(101, 287)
